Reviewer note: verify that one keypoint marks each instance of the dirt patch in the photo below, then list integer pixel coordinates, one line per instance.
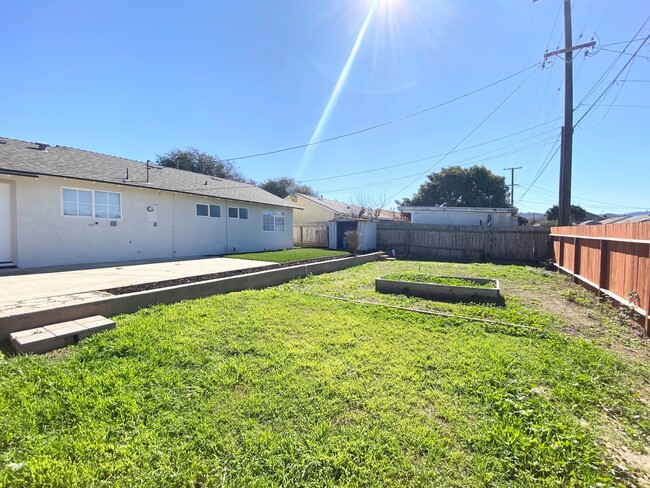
(122, 290)
(585, 317)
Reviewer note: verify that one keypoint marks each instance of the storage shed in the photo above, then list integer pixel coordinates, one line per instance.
(366, 228)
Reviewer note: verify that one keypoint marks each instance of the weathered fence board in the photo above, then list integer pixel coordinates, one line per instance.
(464, 242)
(613, 259)
(310, 234)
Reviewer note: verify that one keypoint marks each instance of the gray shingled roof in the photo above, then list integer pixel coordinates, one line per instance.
(340, 208)
(25, 157)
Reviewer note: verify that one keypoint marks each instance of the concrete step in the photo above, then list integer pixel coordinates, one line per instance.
(55, 336)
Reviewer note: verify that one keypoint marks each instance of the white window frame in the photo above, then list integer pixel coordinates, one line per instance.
(277, 222)
(77, 215)
(108, 204)
(238, 213)
(207, 209)
(93, 212)
(265, 215)
(209, 206)
(279, 216)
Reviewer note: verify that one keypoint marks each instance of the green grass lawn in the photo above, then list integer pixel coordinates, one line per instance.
(281, 387)
(288, 255)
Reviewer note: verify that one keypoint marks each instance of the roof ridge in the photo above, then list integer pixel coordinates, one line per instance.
(131, 160)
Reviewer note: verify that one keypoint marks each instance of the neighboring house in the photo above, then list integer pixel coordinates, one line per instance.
(318, 209)
(622, 219)
(494, 217)
(61, 206)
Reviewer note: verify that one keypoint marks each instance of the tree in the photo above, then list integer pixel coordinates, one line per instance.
(578, 214)
(454, 186)
(191, 159)
(369, 206)
(285, 186)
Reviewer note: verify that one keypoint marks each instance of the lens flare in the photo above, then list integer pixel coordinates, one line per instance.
(336, 92)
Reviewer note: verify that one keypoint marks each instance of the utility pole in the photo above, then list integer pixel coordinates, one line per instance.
(566, 153)
(512, 184)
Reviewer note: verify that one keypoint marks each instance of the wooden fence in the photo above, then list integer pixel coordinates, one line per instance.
(310, 234)
(464, 242)
(612, 259)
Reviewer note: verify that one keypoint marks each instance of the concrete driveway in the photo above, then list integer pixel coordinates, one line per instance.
(33, 285)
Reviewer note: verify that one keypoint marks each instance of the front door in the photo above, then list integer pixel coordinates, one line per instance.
(6, 236)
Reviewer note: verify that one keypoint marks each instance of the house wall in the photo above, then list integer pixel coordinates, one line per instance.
(451, 217)
(45, 237)
(311, 211)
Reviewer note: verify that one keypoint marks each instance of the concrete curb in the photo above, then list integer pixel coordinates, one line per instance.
(133, 302)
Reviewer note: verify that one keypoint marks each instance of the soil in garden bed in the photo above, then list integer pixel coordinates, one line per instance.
(123, 290)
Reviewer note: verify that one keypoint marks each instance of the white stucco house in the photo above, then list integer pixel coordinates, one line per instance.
(494, 217)
(62, 206)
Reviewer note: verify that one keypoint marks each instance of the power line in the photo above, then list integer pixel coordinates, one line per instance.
(611, 66)
(396, 165)
(615, 205)
(383, 124)
(469, 134)
(465, 162)
(542, 169)
(604, 92)
(623, 52)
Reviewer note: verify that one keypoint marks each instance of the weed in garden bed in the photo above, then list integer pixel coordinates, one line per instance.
(438, 280)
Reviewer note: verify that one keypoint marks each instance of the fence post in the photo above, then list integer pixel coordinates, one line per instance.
(301, 236)
(647, 306)
(576, 258)
(407, 246)
(604, 267)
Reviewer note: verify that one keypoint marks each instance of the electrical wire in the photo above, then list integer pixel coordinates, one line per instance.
(466, 162)
(383, 124)
(396, 165)
(541, 171)
(469, 134)
(604, 92)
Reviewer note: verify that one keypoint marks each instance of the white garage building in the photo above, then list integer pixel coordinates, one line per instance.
(494, 217)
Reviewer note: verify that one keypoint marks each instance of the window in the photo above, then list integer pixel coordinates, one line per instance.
(77, 202)
(87, 203)
(204, 210)
(201, 210)
(237, 213)
(273, 221)
(107, 205)
(279, 221)
(267, 221)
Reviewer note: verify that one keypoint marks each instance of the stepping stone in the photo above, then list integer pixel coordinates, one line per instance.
(55, 336)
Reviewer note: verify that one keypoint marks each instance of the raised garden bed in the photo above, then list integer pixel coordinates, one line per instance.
(449, 288)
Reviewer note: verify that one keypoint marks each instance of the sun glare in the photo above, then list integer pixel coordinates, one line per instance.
(336, 92)
(392, 35)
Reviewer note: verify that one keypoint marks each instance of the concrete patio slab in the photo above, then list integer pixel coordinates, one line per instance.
(34, 289)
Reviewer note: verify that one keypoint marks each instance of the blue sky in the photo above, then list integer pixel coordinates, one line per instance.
(240, 77)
